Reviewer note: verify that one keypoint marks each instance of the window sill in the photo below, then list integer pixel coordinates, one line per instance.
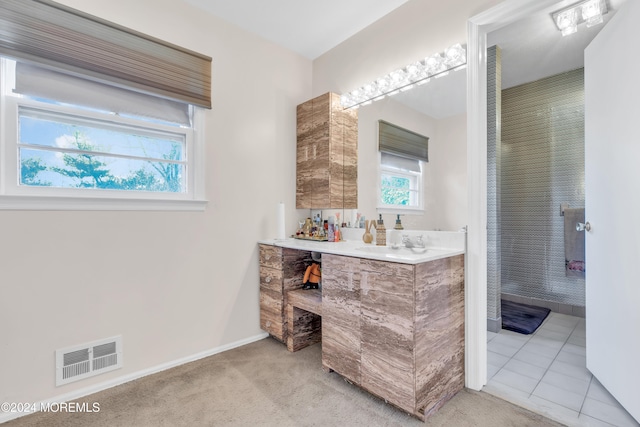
(57, 203)
(403, 211)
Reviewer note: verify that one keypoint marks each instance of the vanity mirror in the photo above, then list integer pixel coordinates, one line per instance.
(435, 109)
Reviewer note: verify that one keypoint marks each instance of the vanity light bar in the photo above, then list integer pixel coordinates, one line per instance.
(416, 73)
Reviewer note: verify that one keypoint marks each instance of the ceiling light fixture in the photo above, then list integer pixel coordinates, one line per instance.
(589, 11)
(417, 73)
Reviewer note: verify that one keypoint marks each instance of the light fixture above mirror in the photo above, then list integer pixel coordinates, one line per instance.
(402, 79)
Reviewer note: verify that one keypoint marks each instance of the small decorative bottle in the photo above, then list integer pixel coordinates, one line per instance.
(331, 231)
(381, 233)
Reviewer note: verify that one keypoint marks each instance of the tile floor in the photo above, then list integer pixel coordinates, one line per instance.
(546, 372)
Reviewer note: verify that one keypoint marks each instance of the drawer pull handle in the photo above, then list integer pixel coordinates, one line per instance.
(267, 257)
(268, 279)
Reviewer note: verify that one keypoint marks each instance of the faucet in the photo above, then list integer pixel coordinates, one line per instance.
(407, 242)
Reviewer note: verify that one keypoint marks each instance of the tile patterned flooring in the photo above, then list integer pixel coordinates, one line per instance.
(546, 373)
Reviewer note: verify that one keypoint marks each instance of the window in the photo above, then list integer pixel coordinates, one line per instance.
(402, 157)
(96, 116)
(400, 183)
(66, 151)
(56, 144)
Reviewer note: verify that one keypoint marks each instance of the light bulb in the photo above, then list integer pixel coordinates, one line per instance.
(383, 84)
(592, 13)
(455, 55)
(568, 22)
(435, 64)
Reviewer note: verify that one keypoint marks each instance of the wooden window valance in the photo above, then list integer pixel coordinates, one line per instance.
(67, 40)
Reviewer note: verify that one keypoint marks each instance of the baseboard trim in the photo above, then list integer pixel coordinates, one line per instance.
(76, 394)
(494, 325)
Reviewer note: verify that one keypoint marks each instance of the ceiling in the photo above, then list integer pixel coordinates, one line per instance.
(532, 48)
(307, 27)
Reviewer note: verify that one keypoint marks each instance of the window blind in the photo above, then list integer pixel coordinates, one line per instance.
(402, 142)
(402, 163)
(39, 82)
(73, 42)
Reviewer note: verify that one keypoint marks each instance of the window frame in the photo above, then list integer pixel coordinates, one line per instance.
(413, 176)
(19, 197)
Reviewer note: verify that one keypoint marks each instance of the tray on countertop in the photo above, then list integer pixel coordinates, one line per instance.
(312, 239)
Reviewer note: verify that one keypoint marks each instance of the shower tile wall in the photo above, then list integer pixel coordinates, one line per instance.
(494, 89)
(542, 167)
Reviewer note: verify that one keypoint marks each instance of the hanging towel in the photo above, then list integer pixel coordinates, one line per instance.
(574, 254)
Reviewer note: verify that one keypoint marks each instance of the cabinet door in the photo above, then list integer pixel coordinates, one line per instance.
(270, 256)
(341, 315)
(272, 314)
(439, 331)
(387, 304)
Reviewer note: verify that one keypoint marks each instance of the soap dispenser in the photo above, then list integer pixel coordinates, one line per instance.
(381, 233)
(398, 224)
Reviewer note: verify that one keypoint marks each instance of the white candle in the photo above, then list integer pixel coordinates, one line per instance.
(280, 233)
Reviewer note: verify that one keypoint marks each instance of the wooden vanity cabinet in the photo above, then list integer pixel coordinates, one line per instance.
(326, 154)
(281, 270)
(341, 336)
(387, 326)
(396, 330)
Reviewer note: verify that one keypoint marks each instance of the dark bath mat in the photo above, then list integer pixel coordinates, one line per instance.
(522, 318)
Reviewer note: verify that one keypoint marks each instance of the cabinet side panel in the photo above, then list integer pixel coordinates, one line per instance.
(304, 127)
(341, 315)
(439, 332)
(304, 172)
(294, 265)
(350, 156)
(336, 153)
(386, 291)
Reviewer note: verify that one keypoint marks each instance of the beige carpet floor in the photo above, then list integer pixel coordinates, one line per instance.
(261, 384)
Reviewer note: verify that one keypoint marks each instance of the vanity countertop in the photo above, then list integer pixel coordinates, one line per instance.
(359, 249)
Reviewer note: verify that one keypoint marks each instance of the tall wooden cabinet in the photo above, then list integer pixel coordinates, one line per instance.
(326, 154)
(396, 330)
(281, 270)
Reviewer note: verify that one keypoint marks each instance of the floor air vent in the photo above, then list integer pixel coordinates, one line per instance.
(86, 360)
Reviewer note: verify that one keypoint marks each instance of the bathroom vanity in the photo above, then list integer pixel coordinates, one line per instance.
(392, 319)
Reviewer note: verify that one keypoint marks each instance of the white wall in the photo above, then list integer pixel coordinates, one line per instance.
(173, 284)
(447, 179)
